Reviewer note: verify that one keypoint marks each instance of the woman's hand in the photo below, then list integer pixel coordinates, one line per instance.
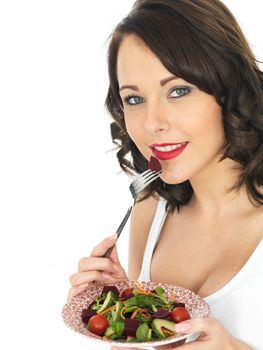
(213, 337)
(95, 268)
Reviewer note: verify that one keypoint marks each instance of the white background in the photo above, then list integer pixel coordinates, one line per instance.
(61, 191)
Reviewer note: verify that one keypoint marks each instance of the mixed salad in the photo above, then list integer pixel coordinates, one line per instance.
(135, 315)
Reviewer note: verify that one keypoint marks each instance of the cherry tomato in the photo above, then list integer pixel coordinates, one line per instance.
(179, 314)
(126, 292)
(98, 324)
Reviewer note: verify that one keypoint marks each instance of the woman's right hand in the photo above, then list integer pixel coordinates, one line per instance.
(96, 269)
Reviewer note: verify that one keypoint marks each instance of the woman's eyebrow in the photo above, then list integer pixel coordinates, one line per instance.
(162, 83)
(132, 87)
(166, 80)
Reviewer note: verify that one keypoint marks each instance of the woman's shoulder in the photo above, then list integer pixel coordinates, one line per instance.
(141, 220)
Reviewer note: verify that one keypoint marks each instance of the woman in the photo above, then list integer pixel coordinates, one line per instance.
(185, 88)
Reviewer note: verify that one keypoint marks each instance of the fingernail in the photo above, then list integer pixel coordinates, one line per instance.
(183, 327)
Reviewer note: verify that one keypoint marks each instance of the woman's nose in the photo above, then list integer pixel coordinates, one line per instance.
(156, 119)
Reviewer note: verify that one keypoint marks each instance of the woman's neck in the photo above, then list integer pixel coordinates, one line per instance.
(211, 191)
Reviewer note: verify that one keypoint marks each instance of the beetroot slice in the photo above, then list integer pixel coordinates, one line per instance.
(114, 289)
(128, 296)
(154, 164)
(161, 313)
(87, 314)
(130, 327)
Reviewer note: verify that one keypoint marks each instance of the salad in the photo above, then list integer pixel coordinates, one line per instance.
(135, 315)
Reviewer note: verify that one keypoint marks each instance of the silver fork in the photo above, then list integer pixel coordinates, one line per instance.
(136, 187)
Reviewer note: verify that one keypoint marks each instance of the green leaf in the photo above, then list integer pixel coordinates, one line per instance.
(109, 301)
(159, 290)
(145, 301)
(116, 316)
(118, 327)
(133, 340)
(142, 332)
(154, 308)
(149, 336)
(130, 309)
(113, 337)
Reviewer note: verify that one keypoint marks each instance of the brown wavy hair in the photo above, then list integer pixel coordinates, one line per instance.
(201, 42)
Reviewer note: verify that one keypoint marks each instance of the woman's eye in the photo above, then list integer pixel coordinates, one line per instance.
(176, 92)
(133, 100)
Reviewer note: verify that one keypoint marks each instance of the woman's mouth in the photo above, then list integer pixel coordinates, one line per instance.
(166, 151)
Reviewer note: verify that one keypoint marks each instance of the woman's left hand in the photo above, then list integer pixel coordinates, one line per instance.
(213, 336)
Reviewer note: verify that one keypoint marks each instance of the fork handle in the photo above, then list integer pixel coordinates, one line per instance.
(119, 230)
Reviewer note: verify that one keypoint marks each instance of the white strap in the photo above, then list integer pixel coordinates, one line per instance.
(153, 236)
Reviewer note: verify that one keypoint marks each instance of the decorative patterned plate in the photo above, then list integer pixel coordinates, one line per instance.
(71, 312)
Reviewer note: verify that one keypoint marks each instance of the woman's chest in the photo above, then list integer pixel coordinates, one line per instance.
(203, 257)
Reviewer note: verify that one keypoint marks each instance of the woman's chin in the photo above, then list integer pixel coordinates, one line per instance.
(172, 178)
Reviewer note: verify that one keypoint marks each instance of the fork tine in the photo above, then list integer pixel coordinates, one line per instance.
(140, 178)
(144, 184)
(142, 175)
(144, 179)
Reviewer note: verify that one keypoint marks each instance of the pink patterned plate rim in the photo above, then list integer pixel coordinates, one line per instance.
(71, 312)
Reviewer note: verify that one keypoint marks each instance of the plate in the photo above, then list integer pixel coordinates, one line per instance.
(71, 312)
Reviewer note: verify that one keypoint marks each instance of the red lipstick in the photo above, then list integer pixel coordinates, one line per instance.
(167, 154)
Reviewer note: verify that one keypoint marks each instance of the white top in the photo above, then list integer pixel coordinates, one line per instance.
(238, 305)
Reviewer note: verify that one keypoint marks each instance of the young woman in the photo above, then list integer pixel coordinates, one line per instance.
(186, 89)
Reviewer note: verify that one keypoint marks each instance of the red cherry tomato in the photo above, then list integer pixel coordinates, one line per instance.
(98, 324)
(126, 292)
(179, 314)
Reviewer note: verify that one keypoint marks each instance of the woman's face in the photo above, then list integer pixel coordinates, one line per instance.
(166, 116)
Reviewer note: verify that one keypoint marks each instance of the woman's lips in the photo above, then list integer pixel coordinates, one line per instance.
(167, 154)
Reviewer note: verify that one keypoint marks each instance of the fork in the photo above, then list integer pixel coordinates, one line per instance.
(136, 187)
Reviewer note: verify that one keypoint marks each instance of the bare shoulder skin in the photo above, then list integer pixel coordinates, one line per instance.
(141, 220)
